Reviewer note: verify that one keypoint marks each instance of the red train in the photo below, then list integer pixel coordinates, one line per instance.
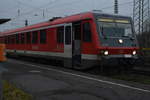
(79, 41)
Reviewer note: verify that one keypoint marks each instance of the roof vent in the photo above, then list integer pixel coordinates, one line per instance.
(97, 11)
(54, 18)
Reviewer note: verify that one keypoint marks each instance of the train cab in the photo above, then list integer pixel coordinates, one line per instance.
(117, 39)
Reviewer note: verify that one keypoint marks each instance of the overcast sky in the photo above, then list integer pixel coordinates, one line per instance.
(32, 10)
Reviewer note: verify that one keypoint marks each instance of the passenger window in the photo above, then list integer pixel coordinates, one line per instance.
(8, 39)
(60, 34)
(22, 38)
(5, 39)
(11, 39)
(17, 38)
(0, 39)
(35, 37)
(43, 35)
(28, 37)
(14, 39)
(87, 35)
(68, 35)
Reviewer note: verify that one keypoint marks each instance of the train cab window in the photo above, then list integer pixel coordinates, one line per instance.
(22, 38)
(60, 34)
(43, 38)
(35, 37)
(68, 35)
(28, 37)
(87, 35)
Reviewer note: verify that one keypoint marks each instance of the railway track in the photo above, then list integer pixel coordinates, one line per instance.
(136, 75)
(142, 70)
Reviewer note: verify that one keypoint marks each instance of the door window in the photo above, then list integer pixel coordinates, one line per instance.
(68, 35)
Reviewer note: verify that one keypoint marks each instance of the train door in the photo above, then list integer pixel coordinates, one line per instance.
(76, 50)
(68, 45)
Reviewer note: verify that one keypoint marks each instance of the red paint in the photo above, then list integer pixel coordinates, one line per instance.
(93, 47)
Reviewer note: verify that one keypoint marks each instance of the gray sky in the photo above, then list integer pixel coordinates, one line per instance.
(33, 9)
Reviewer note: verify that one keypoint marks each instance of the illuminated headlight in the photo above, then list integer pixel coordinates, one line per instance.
(106, 53)
(120, 41)
(134, 52)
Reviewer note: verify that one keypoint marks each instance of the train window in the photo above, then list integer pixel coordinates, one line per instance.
(35, 37)
(60, 34)
(43, 38)
(28, 37)
(8, 39)
(68, 35)
(22, 38)
(1, 40)
(87, 36)
(17, 38)
(14, 39)
(5, 39)
(11, 41)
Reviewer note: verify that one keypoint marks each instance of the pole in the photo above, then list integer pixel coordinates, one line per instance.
(116, 6)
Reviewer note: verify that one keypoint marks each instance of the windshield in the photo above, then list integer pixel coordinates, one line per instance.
(115, 29)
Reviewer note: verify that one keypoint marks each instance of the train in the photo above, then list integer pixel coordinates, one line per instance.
(79, 41)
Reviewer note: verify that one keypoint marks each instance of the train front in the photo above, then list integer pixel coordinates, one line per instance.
(118, 44)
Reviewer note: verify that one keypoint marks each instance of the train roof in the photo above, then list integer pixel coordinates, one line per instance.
(72, 18)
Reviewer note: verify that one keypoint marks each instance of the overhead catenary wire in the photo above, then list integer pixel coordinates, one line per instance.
(64, 4)
(48, 9)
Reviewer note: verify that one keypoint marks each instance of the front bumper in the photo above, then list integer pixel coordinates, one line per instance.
(115, 60)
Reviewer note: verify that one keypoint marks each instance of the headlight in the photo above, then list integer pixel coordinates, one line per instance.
(120, 41)
(134, 52)
(106, 53)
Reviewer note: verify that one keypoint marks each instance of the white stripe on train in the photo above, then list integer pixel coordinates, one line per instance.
(54, 54)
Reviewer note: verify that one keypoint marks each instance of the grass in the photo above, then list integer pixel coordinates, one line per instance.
(10, 92)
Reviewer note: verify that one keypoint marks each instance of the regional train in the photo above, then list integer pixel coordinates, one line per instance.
(79, 41)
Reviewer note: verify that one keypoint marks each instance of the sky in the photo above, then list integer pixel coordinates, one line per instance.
(36, 11)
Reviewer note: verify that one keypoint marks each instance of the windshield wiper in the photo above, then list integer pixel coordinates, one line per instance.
(102, 30)
(132, 38)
